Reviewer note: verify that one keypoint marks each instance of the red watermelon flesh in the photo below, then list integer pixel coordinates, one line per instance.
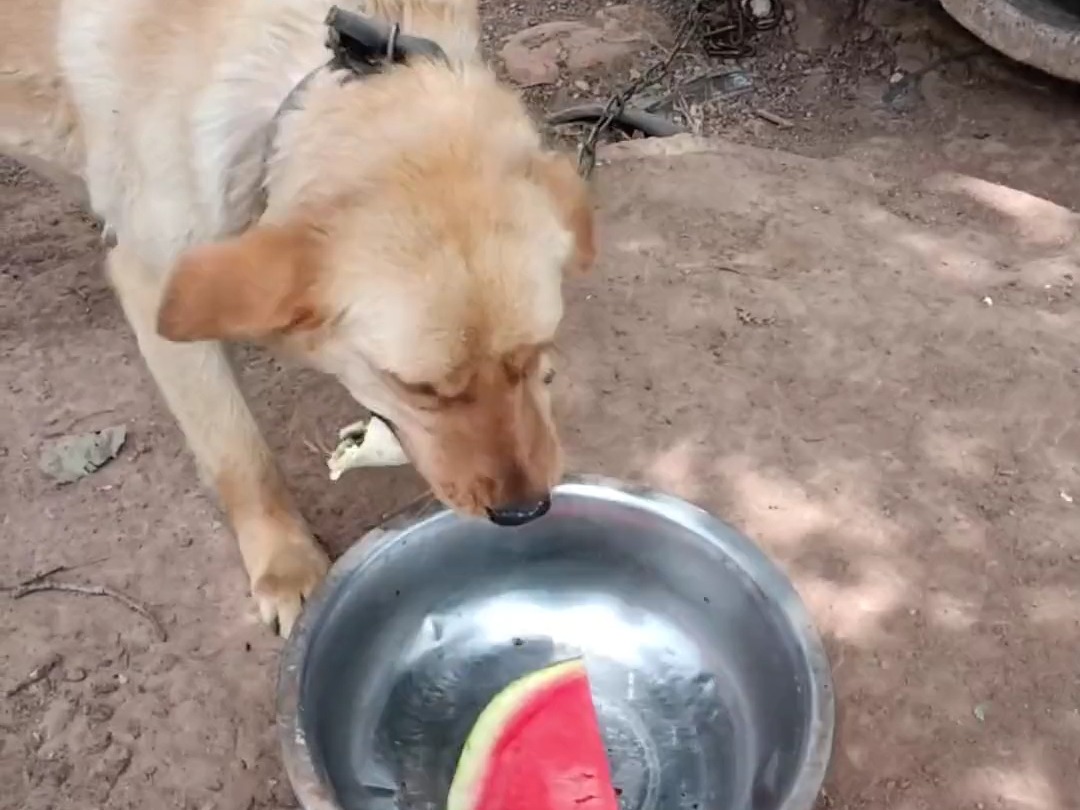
(537, 746)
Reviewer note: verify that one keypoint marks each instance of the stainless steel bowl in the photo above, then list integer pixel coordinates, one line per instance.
(711, 684)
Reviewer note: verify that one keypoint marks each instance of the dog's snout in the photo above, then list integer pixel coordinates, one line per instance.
(518, 514)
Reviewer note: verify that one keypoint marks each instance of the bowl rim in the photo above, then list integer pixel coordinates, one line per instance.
(312, 790)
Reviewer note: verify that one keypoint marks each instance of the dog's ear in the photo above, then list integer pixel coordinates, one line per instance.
(250, 287)
(557, 174)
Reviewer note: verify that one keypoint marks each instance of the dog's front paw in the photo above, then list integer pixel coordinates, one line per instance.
(292, 570)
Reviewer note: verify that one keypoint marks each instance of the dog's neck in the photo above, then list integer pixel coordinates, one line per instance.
(360, 47)
(270, 83)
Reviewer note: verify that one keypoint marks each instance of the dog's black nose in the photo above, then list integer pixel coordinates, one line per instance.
(518, 514)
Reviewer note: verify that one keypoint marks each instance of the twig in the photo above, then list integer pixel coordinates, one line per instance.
(48, 572)
(93, 590)
(708, 267)
(56, 569)
(774, 119)
(38, 673)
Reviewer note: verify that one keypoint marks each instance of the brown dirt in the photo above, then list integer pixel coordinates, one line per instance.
(809, 352)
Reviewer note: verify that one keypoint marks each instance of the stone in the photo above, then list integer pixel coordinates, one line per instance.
(538, 54)
(74, 457)
(531, 56)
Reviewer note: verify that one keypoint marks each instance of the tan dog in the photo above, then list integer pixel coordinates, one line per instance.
(405, 232)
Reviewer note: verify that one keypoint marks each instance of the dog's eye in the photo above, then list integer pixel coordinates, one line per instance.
(549, 376)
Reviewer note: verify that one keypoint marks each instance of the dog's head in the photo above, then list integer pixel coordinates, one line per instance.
(429, 284)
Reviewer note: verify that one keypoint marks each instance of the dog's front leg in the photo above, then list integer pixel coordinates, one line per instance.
(282, 559)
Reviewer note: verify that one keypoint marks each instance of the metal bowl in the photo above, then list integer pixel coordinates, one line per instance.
(711, 684)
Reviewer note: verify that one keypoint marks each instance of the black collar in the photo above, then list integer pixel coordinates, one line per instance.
(364, 45)
(360, 47)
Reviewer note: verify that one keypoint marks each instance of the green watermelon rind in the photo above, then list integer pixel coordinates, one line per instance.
(485, 735)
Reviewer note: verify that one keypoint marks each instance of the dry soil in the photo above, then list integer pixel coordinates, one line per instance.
(861, 345)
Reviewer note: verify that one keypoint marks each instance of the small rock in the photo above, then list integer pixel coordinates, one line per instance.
(532, 56)
(75, 457)
(535, 55)
(760, 9)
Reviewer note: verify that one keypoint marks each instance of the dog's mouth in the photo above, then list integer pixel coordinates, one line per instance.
(508, 515)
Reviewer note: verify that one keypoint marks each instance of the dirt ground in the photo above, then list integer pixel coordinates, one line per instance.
(862, 348)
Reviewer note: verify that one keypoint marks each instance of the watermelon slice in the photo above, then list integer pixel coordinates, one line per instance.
(537, 746)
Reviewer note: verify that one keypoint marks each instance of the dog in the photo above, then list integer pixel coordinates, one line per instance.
(395, 222)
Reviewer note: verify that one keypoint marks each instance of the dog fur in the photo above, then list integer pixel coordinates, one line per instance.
(407, 233)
